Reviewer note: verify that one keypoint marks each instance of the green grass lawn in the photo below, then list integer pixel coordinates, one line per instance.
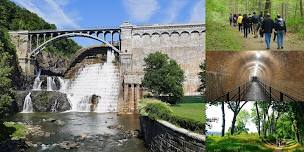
(190, 107)
(237, 143)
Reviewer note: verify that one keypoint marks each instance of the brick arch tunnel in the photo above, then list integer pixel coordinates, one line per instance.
(255, 76)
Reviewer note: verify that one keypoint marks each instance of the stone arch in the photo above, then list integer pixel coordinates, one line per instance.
(40, 47)
(174, 32)
(155, 33)
(185, 32)
(144, 34)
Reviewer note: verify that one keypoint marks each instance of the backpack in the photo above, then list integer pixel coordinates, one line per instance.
(281, 24)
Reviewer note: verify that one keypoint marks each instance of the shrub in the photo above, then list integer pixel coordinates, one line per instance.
(156, 109)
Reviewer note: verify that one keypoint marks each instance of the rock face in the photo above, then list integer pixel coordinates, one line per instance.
(43, 101)
(51, 64)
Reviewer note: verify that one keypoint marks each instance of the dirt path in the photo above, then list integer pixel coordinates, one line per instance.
(291, 43)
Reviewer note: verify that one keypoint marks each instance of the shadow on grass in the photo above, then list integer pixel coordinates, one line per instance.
(192, 99)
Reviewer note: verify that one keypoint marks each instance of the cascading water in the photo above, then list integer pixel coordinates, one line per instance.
(101, 80)
(63, 84)
(37, 82)
(51, 85)
(54, 106)
(27, 105)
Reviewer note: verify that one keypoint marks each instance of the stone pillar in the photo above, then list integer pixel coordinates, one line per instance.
(44, 37)
(126, 91)
(137, 96)
(22, 41)
(112, 38)
(126, 37)
(37, 41)
(131, 101)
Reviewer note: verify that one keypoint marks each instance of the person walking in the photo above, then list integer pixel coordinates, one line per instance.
(234, 20)
(239, 21)
(280, 28)
(255, 21)
(267, 27)
(275, 32)
(250, 24)
(230, 19)
(246, 25)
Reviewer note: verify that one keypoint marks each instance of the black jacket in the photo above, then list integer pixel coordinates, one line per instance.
(246, 22)
(268, 25)
(280, 25)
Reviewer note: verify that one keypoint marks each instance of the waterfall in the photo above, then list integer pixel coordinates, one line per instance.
(51, 85)
(101, 80)
(63, 84)
(37, 82)
(54, 106)
(27, 105)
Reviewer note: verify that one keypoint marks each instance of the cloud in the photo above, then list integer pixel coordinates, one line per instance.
(51, 11)
(173, 10)
(198, 12)
(141, 10)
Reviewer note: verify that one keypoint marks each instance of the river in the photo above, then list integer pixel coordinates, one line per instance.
(91, 131)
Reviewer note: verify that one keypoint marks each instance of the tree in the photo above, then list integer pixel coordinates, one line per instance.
(163, 77)
(236, 107)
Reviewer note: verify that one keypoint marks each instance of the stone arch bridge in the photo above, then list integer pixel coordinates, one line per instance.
(132, 43)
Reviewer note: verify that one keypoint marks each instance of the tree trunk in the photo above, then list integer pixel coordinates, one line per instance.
(267, 7)
(233, 123)
(223, 116)
(301, 8)
(258, 117)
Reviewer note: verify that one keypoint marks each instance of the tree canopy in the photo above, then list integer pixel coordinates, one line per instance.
(163, 77)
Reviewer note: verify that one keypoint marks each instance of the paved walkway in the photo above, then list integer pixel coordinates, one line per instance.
(255, 93)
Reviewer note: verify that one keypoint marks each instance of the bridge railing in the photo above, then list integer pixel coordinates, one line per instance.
(274, 94)
(236, 94)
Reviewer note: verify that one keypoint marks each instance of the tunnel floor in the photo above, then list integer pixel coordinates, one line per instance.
(256, 93)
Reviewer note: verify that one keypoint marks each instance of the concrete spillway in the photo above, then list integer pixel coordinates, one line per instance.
(100, 81)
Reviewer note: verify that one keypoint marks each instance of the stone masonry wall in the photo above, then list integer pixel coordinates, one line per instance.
(183, 43)
(161, 136)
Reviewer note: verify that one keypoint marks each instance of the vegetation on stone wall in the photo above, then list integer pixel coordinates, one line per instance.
(163, 77)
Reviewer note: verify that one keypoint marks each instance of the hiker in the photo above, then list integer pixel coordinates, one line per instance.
(255, 21)
(230, 19)
(234, 20)
(280, 28)
(250, 24)
(239, 21)
(267, 27)
(275, 32)
(246, 25)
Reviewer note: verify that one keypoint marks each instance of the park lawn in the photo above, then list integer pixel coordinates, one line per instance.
(237, 143)
(190, 107)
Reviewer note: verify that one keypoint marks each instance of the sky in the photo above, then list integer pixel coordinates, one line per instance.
(73, 14)
(215, 112)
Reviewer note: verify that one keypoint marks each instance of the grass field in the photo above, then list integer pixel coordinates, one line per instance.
(238, 143)
(247, 143)
(190, 107)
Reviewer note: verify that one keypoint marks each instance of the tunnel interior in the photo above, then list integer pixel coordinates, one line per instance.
(282, 71)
